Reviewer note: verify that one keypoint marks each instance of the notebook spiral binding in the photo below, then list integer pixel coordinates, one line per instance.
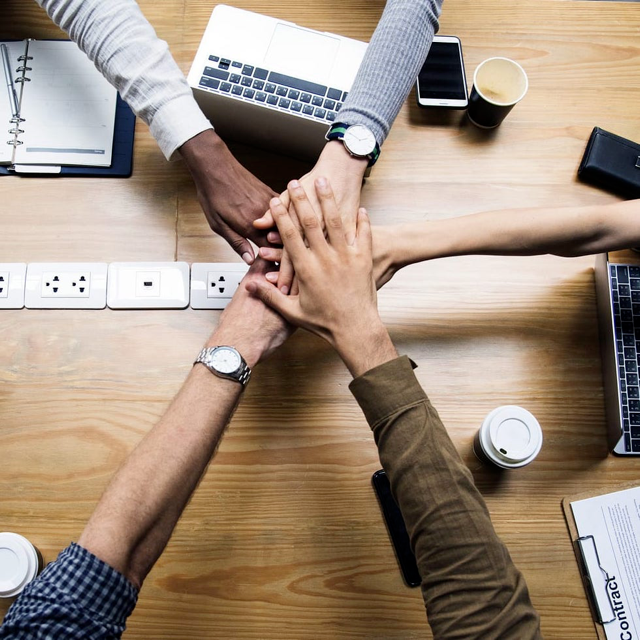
(15, 131)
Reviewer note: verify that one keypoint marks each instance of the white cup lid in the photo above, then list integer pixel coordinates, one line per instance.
(514, 433)
(18, 564)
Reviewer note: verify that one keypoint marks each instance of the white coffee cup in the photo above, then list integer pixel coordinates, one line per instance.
(20, 563)
(510, 437)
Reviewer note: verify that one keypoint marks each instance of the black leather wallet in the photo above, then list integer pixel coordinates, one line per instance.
(612, 162)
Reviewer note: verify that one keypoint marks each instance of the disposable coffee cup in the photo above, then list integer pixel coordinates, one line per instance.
(510, 437)
(20, 563)
(498, 85)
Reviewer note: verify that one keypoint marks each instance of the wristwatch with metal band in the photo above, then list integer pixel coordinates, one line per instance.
(358, 140)
(225, 362)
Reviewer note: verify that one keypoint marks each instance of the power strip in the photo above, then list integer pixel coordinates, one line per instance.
(119, 285)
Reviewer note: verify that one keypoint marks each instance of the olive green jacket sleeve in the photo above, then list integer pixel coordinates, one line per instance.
(470, 585)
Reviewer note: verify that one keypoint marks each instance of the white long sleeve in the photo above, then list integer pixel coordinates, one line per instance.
(124, 47)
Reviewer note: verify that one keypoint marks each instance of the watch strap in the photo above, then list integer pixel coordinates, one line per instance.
(242, 374)
(337, 131)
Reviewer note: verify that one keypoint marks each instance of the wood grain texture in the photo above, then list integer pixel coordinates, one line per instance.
(284, 538)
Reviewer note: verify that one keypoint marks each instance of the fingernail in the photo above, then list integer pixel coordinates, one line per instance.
(321, 182)
(275, 202)
(272, 276)
(272, 237)
(284, 289)
(247, 257)
(294, 184)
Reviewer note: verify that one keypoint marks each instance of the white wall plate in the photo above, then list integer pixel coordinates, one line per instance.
(66, 285)
(148, 285)
(214, 283)
(12, 276)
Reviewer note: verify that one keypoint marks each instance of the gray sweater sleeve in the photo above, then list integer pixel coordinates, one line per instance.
(395, 55)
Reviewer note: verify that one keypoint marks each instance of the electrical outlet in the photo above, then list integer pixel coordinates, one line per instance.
(12, 276)
(80, 285)
(214, 283)
(148, 285)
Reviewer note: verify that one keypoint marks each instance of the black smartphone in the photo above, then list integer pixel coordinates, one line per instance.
(441, 81)
(397, 529)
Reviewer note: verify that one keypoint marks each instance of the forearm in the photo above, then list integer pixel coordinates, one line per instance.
(470, 585)
(137, 513)
(122, 44)
(397, 50)
(569, 231)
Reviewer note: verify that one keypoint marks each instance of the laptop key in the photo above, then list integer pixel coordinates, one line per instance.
(225, 61)
(248, 93)
(624, 290)
(317, 101)
(631, 366)
(226, 87)
(635, 445)
(627, 442)
(634, 405)
(212, 83)
(634, 272)
(297, 83)
(272, 100)
(632, 381)
(216, 73)
(214, 58)
(237, 65)
(633, 392)
(331, 116)
(284, 103)
(334, 94)
(308, 110)
(247, 70)
(320, 113)
(629, 353)
(223, 65)
(270, 88)
(635, 284)
(627, 327)
(624, 398)
(246, 82)
(258, 84)
(626, 315)
(261, 96)
(237, 90)
(635, 432)
(305, 97)
(261, 74)
(281, 91)
(235, 78)
(628, 341)
(329, 104)
(634, 419)
(623, 274)
(296, 106)
(293, 94)
(344, 96)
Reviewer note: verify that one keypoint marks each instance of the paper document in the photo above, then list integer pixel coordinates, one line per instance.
(609, 530)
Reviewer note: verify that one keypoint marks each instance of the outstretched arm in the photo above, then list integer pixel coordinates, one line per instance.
(122, 44)
(568, 231)
(470, 585)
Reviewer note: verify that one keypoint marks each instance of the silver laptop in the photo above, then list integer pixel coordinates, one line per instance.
(272, 83)
(618, 300)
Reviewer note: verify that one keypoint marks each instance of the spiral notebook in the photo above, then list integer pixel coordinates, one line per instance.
(59, 109)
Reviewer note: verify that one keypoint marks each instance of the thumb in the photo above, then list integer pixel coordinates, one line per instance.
(273, 298)
(239, 244)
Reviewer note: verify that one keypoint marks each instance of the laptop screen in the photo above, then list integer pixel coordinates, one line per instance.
(302, 53)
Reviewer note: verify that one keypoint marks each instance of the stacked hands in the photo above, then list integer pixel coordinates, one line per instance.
(333, 293)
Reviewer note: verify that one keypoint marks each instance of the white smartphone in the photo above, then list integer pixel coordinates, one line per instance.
(441, 81)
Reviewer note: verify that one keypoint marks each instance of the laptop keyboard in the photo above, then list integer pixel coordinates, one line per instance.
(625, 287)
(285, 93)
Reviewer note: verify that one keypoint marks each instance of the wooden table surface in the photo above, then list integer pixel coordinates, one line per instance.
(284, 537)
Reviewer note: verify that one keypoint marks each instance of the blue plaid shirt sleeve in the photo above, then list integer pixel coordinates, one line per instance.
(77, 596)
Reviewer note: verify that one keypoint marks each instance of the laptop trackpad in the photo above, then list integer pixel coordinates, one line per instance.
(301, 53)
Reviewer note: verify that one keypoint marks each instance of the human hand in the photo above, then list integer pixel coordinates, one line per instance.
(249, 325)
(337, 295)
(230, 196)
(345, 174)
(384, 258)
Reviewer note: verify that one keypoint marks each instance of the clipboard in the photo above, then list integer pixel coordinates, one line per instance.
(587, 556)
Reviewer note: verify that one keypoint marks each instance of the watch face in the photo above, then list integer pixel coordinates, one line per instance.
(225, 360)
(359, 140)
